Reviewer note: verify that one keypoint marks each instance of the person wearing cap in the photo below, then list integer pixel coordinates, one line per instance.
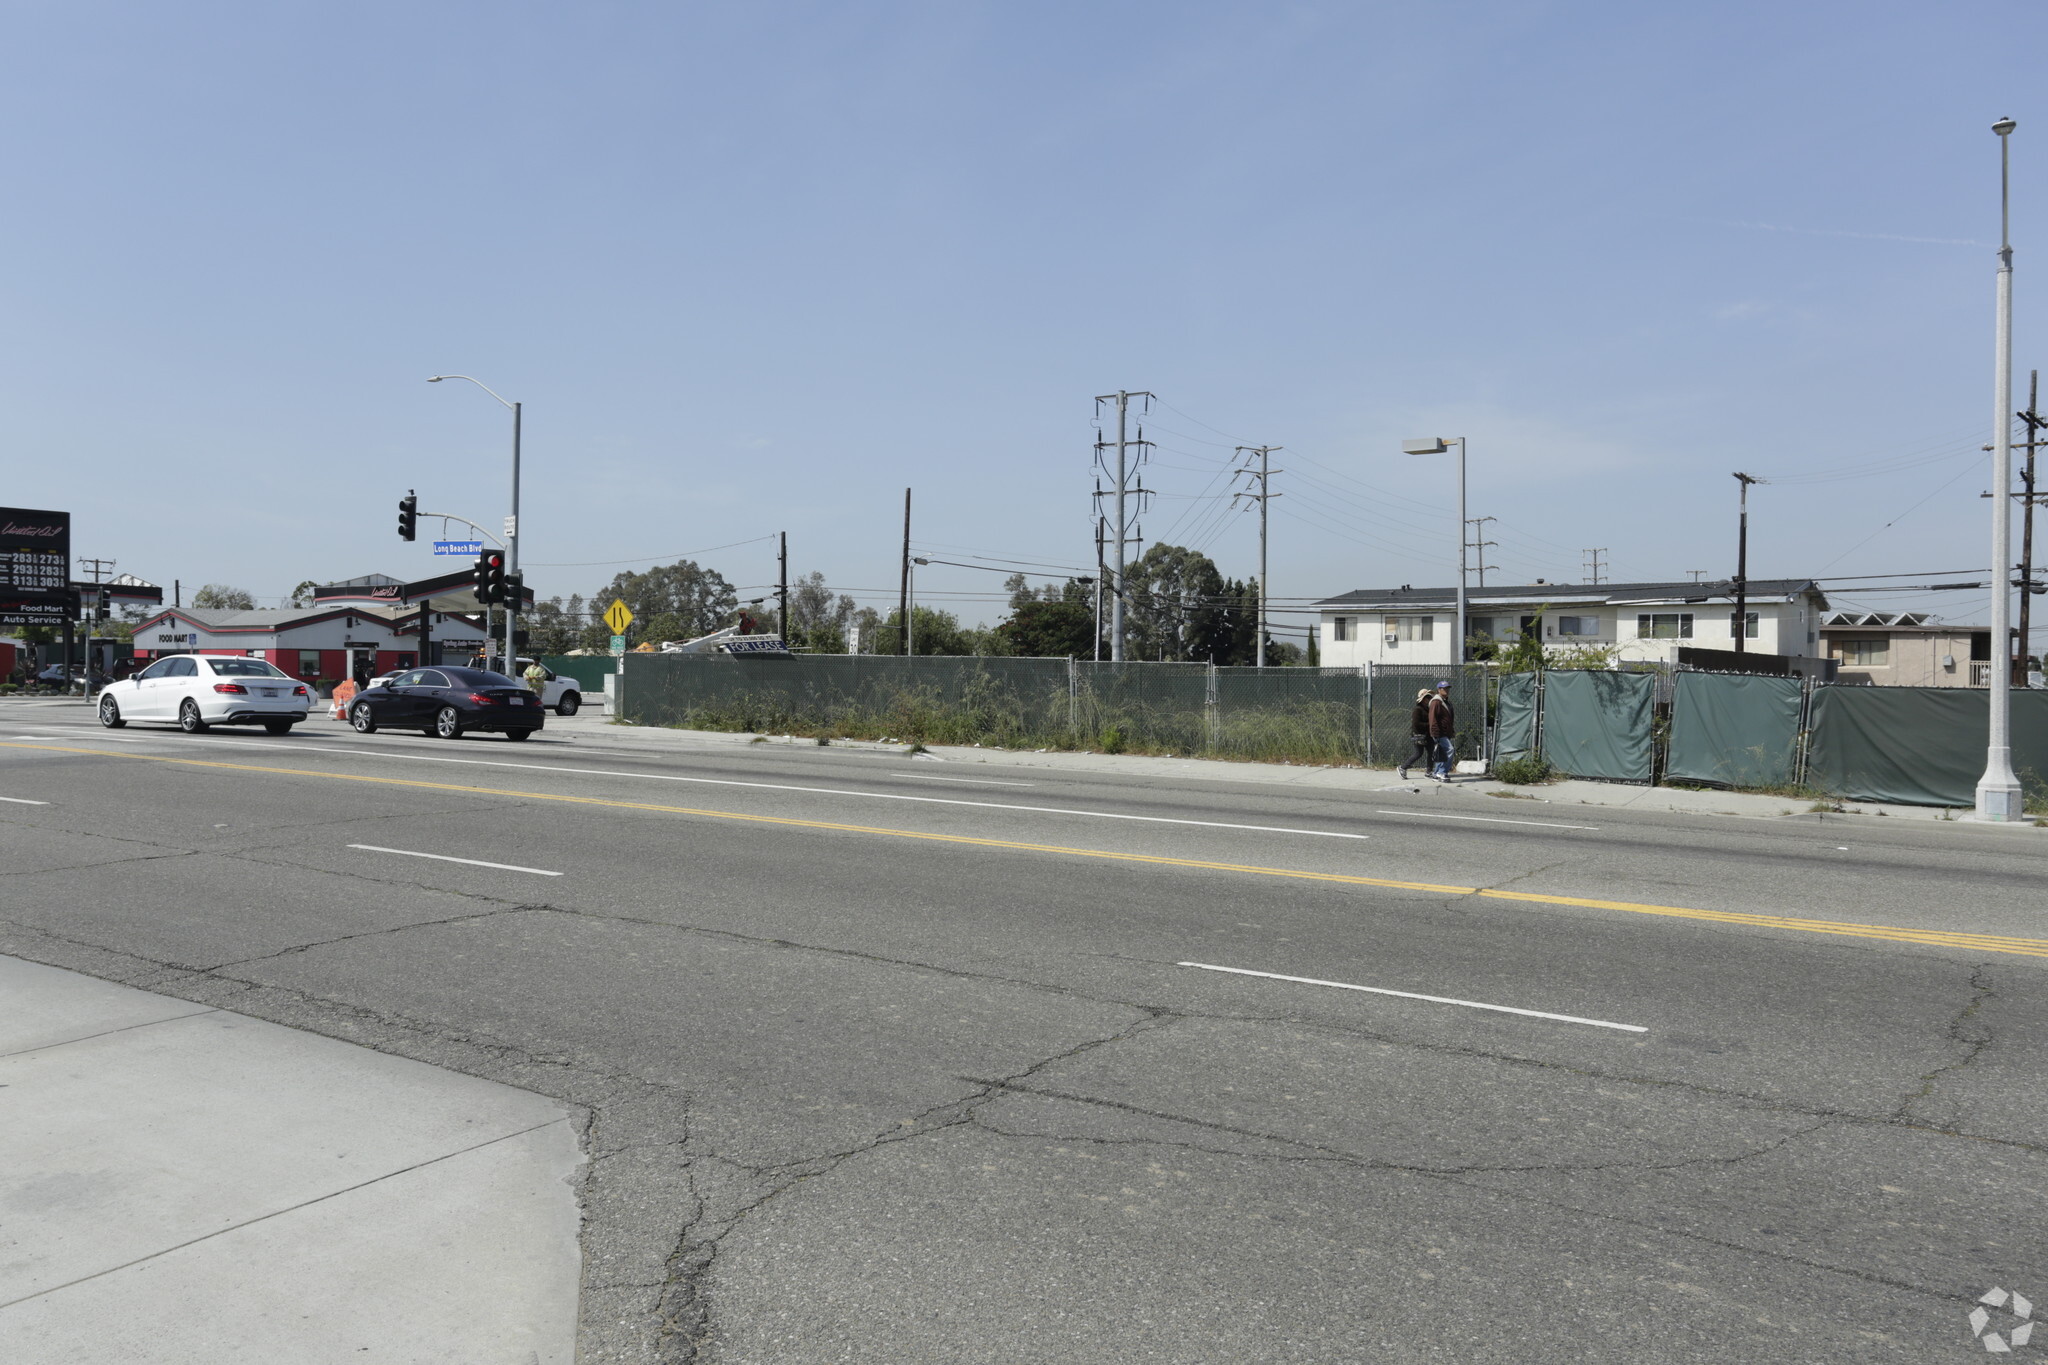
(1443, 732)
(1418, 735)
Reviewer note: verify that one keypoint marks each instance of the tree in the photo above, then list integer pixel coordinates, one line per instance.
(678, 601)
(302, 596)
(818, 619)
(221, 597)
(935, 632)
(1048, 630)
(552, 627)
(1171, 599)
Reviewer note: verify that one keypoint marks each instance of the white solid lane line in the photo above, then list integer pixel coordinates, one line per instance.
(23, 801)
(971, 781)
(1482, 819)
(444, 858)
(816, 791)
(1411, 995)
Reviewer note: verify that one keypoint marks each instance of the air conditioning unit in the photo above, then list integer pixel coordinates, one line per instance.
(1392, 639)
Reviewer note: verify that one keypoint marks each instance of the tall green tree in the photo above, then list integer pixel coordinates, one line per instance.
(1048, 630)
(678, 601)
(221, 597)
(1172, 597)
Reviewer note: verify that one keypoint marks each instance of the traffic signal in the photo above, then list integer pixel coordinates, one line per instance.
(487, 579)
(106, 603)
(514, 589)
(408, 516)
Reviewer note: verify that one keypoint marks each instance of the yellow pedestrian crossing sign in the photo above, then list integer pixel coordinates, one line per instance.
(618, 616)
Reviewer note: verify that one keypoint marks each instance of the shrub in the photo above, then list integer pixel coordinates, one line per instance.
(1526, 770)
(1112, 741)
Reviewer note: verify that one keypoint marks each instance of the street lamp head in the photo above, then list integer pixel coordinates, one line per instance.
(1428, 445)
(435, 379)
(2003, 126)
(920, 561)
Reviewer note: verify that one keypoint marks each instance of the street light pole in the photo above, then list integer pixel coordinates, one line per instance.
(1438, 445)
(1998, 790)
(910, 596)
(511, 524)
(1742, 564)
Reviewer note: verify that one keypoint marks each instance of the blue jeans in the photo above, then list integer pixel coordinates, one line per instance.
(1441, 765)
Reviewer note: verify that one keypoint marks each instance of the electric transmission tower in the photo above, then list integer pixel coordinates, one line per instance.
(1593, 565)
(1262, 475)
(1478, 525)
(1127, 500)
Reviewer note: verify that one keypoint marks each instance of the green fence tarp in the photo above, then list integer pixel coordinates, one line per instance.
(1919, 746)
(1596, 723)
(587, 669)
(1735, 730)
(1515, 736)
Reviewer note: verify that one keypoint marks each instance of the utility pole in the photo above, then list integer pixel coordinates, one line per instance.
(98, 568)
(1122, 524)
(1741, 621)
(782, 583)
(2034, 421)
(1264, 474)
(1098, 578)
(1593, 565)
(1697, 574)
(1478, 525)
(903, 598)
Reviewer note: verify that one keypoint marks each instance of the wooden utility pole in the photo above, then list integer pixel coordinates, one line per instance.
(903, 598)
(2035, 422)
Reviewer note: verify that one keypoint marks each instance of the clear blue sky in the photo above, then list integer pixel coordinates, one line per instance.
(758, 267)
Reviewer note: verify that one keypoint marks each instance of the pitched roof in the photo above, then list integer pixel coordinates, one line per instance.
(1571, 594)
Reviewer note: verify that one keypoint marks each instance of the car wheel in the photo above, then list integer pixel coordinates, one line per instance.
(110, 714)
(188, 718)
(448, 723)
(277, 727)
(517, 734)
(362, 719)
(568, 705)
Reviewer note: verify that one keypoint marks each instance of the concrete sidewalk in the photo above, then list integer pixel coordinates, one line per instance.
(180, 1185)
(594, 732)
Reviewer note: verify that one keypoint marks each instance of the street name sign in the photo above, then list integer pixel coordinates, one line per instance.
(458, 547)
(618, 616)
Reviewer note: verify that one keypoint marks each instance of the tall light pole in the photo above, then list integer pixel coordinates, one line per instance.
(1742, 564)
(910, 596)
(1438, 445)
(1998, 790)
(511, 525)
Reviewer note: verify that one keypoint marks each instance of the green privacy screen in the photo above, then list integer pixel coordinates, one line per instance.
(1734, 730)
(1596, 723)
(1921, 746)
(1516, 736)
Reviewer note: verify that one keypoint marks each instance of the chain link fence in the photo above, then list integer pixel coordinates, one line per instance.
(1306, 715)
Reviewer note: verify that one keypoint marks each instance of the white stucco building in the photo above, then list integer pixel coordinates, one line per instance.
(1643, 621)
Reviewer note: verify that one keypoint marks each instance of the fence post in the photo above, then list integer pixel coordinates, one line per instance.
(1805, 734)
(1212, 703)
(1073, 699)
(1365, 711)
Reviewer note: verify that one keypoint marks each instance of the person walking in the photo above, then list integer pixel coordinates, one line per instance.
(1424, 749)
(1443, 732)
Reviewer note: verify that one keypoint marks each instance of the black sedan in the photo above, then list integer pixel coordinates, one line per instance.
(448, 702)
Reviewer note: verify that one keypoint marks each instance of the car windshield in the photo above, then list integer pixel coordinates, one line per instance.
(243, 668)
(476, 677)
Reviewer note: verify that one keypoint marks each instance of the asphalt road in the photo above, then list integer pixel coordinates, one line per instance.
(897, 1061)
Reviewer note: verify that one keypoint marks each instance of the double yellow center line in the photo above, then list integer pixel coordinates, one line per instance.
(1988, 943)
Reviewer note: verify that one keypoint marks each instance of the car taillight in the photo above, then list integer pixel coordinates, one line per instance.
(231, 687)
(481, 700)
(299, 692)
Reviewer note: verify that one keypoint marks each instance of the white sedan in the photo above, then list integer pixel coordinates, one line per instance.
(197, 691)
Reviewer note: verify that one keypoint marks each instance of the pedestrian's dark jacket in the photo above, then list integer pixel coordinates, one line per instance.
(1443, 721)
(1418, 720)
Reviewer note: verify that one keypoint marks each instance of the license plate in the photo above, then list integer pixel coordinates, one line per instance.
(517, 701)
(269, 691)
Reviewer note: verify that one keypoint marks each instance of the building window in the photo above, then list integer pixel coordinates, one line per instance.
(1340, 628)
(1578, 625)
(1875, 652)
(1748, 625)
(1664, 625)
(1412, 627)
(309, 663)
